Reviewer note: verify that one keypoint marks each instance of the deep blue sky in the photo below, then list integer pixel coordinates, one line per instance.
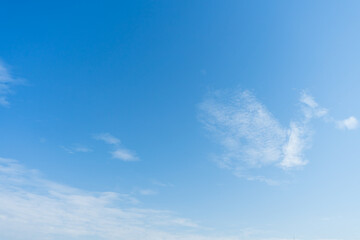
(164, 78)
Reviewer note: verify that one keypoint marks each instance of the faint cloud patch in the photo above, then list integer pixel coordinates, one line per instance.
(147, 192)
(161, 184)
(350, 123)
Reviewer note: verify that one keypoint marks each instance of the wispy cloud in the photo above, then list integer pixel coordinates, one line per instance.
(124, 155)
(120, 152)
(107, 138)
(32, 207)
(311, 108)
(252, 138)
(77, 148)
(6, 83)
(245, 128)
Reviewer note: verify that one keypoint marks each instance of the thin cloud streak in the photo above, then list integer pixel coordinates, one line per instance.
(124, 155)
(107, 138)
(74, 149)
(6, 83)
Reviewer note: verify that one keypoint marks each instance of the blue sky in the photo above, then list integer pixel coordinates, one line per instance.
(199, 120)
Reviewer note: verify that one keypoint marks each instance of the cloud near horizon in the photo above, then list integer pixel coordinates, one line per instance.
(45, 210)
(252, 138)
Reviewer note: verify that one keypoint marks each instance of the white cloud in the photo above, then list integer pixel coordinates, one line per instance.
(6, 82)
(293, 149)
(124, 155)
(350, 123)
(107, 138)
(245, 128)
(312, 109)
(32, 207)
(252, 139)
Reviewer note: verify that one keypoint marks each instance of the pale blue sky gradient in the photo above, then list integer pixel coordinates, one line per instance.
(128, 106)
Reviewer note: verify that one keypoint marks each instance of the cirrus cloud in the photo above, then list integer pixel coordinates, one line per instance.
(253, 139)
